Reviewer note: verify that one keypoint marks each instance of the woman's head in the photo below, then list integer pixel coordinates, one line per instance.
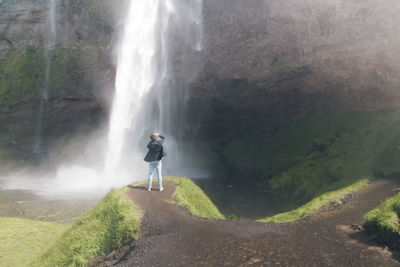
(153, 136)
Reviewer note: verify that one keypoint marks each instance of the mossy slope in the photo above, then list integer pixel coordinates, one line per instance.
(314, 205)
(384, 221)
(322, 153)
(112, 223)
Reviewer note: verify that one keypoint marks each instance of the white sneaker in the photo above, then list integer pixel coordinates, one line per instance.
(149, 189)
(161, 189)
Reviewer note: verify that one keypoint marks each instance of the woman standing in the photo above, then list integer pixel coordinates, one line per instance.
(154, 155)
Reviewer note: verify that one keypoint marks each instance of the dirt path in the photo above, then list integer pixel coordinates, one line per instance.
(172, 237)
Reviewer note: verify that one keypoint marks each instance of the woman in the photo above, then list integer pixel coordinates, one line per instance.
(154, 156)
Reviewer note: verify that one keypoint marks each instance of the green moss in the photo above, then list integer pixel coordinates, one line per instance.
(23, 75)
(191, 197)
(65, 71)
(325, 152)
(7, 154)
(314, 205)
(384, 220)
(21, 240)
(295, 140)
(109, 225)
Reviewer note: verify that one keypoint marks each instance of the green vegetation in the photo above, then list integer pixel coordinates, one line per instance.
(21, 240)
(322, 153)
(65, 71)
(23, 72)
(384, 221)
(21, 76)
(7, 155)
(109, 225)
(314, 205)
(191, 197)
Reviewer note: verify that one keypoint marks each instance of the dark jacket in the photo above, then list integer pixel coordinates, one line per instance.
(156, 150)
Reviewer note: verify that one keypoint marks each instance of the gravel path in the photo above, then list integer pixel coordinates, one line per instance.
(172, 237)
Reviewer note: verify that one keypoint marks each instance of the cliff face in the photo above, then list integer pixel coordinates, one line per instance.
(75, 70)
(268, 62)
(24, 22)
(263, 63)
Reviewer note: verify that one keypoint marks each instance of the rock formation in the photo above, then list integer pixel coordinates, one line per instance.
(264, 63)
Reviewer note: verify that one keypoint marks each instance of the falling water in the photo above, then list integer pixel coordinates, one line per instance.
(172, 93)
(135, 74)
(53, 22)
(145, 68)
(50, 40)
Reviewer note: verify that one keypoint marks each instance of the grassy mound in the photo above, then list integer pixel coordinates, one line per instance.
(112, 223)
(384, 221)
(314, 205)
(21, 240)
(192, 198)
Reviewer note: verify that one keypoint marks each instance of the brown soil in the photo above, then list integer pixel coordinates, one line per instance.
(333, 237)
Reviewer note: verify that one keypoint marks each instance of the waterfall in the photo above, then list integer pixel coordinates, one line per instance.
(144, 75)
(50, 40)
(135, 74)
(53, 21)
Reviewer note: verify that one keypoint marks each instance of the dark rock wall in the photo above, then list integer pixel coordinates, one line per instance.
(268, 62)
(81, 72)
(79, 22)
(264, 62)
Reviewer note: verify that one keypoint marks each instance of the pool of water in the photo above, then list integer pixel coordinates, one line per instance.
(242, 201)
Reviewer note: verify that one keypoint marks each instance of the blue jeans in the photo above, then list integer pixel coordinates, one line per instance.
(157, 166)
